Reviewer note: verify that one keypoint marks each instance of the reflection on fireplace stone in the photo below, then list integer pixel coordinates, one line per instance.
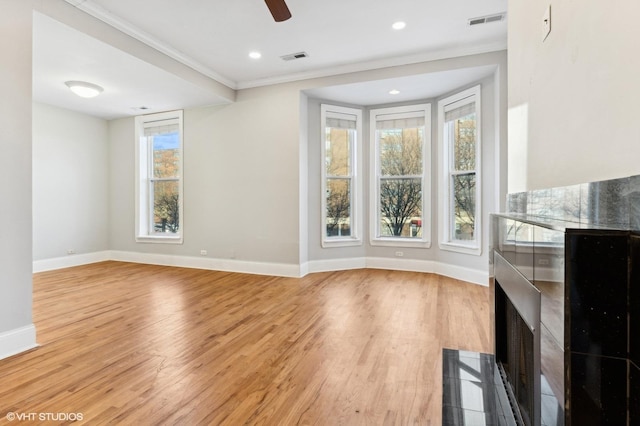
(579, 246)
(473, 392)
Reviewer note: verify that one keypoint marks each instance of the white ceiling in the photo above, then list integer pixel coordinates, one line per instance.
(61, 53)
(215, 37)
(420, 86)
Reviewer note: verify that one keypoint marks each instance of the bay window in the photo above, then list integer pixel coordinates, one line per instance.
(460, 196)
(341, 171)
(400, 177)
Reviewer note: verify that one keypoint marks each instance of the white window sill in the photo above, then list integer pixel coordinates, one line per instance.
(400, 242)
(341, 242)
(159, 239)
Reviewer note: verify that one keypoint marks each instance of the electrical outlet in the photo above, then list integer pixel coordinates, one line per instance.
(399, 254)
(71, 251)
(543, 262)
(203, 252)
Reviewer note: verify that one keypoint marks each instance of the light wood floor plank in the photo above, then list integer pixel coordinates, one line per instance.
(140, 344)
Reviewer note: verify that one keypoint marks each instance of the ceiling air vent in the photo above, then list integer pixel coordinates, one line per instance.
(293, 56)
(487, 19)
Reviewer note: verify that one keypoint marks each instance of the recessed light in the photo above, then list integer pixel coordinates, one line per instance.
(84, 89)
(399, 25)
(255, 55)
(394, 92)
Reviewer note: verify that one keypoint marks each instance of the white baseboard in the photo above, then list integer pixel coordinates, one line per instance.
(69, 261)
(336, 264)
(15, 341)
(274, 269)
(412, 265)
(227, 265)
(461, 273)
(475, 276)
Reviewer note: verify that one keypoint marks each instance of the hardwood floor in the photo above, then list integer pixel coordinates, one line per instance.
(125, 343)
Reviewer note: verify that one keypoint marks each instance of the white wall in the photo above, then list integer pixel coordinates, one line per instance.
(17, 332)
(573, 98)
(70, 183)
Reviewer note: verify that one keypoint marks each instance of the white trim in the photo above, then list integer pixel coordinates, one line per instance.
(446, 242)
(449, 53)
(143, 199)
(356, 173)
(461, 273)
(18, 340)
(330, 265)
(474, 276)
(291, 270)
(227, 265)
(395, 264)
(69, 261)
(499, 151)
(374, 167)
(131, 30)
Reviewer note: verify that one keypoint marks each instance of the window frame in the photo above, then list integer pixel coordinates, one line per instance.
(144, 232)
(375, 236)
(446, 221)
(355, 177)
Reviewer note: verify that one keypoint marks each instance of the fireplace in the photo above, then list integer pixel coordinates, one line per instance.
(517, 340)
(566, 268)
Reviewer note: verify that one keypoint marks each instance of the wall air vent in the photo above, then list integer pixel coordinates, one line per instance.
(487, 19)
(294, 56)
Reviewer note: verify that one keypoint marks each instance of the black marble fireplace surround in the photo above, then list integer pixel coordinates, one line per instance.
(577, 249)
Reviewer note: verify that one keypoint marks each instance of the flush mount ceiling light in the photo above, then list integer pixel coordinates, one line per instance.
(255, 55)
(394, 92)
(399, 25)
(84, 89)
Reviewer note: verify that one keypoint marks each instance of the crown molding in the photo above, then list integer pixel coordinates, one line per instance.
(376, 65)
(131, 30)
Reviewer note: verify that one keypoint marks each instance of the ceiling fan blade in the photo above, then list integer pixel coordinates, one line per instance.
(278, 9)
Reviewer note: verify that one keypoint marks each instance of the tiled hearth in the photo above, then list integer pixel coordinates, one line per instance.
(473, 393)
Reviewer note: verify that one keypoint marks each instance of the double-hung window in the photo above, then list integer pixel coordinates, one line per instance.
(159, 168)
(460, 195)
(400, 177)
(341, 171)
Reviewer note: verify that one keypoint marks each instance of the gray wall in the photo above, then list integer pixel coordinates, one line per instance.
(251, 185)
(493, 125)
(240, 182)
(250, 181)
(572, 98)
(70, 183)
(16, 329)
